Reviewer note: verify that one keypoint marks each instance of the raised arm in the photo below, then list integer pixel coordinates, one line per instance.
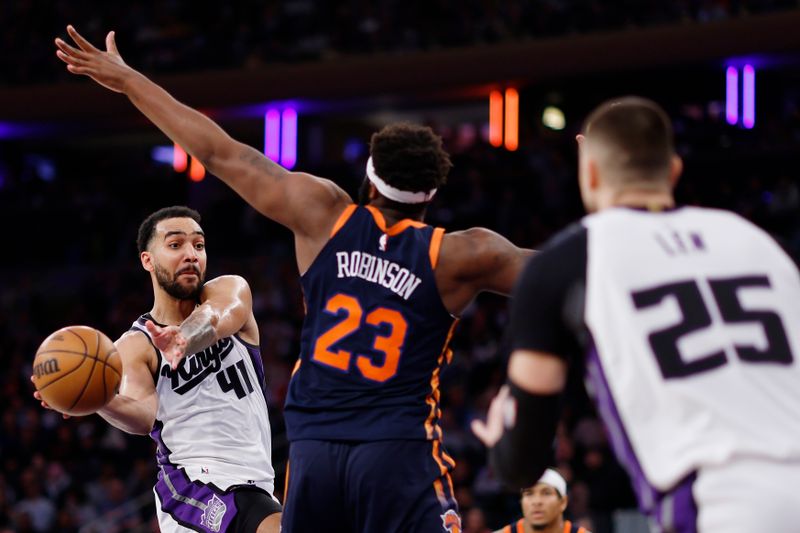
(476, 260)
(226, 309)
(304, 203)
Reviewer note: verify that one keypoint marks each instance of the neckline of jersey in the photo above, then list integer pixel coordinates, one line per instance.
(648, 209)
(398, 227)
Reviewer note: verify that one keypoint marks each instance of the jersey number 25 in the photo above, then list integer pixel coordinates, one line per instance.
(696, 317)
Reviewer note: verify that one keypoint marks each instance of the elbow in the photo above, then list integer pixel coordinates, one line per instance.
(143, 427)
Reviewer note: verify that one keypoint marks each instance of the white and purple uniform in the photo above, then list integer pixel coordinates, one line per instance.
(687, 325)
(213, 434)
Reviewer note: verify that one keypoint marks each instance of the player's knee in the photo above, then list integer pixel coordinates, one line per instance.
(271, 524)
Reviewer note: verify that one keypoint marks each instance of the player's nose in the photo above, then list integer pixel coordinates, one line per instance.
(192, 254)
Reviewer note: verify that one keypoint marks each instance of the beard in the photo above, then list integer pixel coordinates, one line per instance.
(171, 285)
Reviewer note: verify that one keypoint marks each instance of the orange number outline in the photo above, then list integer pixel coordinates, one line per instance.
(341, 358)
(390, 345)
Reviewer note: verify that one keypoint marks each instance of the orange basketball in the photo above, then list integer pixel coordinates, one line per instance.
(77, 370)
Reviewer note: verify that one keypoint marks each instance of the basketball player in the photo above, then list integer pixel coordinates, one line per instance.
(382, 291)
(685, 321)
(543, 506)
(206, 412)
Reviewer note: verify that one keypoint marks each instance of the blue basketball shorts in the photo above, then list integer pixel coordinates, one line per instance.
(369, 487)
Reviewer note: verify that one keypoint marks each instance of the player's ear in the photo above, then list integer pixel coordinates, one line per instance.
(564, 503)
(675, 170)
(373, 192)
(147, 261)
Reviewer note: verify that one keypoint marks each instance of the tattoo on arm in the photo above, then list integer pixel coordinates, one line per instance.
(253, 157)
(199, 332)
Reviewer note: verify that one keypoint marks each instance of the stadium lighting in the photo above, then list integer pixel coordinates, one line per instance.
(553, 118)
(196, 171)
(179, 159)
(496, 119)
(289, 138)
(512, 120)
(162, 154)
(272, 134)
(732, 95)
(748, 96)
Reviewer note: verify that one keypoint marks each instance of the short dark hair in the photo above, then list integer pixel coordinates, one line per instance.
(410, 157)
(639, 133)
(147, 228)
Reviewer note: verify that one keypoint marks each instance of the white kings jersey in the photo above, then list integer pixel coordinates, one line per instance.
(212, 417)
(695, 317)
(687, 325)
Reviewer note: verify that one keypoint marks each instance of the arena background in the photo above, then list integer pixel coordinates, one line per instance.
(79, 169)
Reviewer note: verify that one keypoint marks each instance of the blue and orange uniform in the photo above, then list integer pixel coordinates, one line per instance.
(362, 411)
(519, 527)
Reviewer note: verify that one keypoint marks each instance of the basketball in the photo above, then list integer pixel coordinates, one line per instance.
(77, 370)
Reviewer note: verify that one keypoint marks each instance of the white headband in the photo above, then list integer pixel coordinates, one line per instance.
(555, 480)
(392, 193)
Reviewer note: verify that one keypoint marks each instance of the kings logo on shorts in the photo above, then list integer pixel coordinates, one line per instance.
(213, 514)
(451, 522)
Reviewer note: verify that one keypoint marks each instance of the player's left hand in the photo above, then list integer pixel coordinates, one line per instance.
(105, 67)
(169, 340)
(502, 413)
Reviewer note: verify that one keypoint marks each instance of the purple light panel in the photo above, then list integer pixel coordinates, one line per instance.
(272, 134)
(289, 138)
(748, 96)
(732, 96)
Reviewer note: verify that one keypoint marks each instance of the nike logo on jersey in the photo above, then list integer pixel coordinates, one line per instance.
(194, 369)
(376, 270)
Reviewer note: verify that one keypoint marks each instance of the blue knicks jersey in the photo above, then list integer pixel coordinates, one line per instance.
(375, 335)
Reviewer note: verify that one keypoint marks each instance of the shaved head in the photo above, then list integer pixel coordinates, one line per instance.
(631, 139)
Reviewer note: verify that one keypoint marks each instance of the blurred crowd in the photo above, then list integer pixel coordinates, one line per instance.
(81, 266)
(177, 36)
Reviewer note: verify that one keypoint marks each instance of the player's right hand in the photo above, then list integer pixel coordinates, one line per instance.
(38, 396)
(169, 340)
(106, 68)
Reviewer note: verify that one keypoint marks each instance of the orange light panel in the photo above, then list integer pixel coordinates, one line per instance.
(495, 118)
(512, 119)
(179, 159)
(196, 171)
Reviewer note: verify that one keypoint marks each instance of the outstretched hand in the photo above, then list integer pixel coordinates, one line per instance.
(106, 68)
(169, 340)
(502, 412)
(38, 396)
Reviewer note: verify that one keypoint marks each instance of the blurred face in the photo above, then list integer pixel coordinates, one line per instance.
(177, 257)
(542, 506)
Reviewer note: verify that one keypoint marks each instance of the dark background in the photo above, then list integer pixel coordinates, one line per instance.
(77, 176)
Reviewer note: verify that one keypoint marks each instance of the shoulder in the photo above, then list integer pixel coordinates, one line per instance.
(227, 279)
(474, 246)
(472, 236)
(228, 284)
(134, 347)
